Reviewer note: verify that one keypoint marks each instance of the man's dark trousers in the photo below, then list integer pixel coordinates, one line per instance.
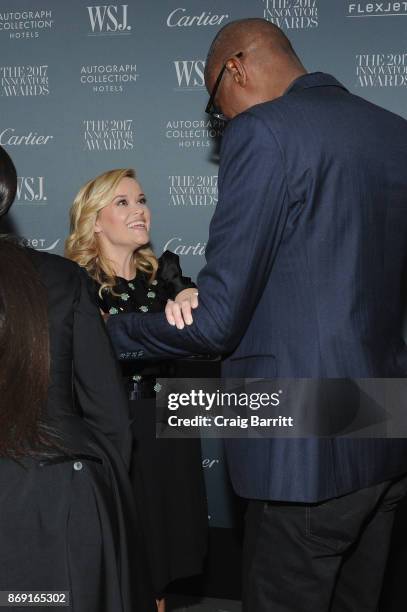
(322, 557)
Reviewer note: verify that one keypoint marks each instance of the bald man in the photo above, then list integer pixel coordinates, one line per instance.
(305, 277)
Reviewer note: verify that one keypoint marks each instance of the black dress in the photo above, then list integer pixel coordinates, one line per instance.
(167, 474)
(66, 519)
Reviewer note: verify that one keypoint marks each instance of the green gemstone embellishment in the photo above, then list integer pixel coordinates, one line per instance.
(144, 308)
(151, 294)
(157, 387)
(113, 310)
(124, 297)
(154, 282)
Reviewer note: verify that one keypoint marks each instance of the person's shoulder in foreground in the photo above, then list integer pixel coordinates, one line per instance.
(52, 261)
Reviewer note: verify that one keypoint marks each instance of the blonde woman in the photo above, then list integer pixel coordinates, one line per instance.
(110, 224)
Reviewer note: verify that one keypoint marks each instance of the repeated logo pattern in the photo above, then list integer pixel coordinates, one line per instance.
(86, 87)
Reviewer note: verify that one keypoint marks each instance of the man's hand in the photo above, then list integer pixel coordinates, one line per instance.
(179, 312)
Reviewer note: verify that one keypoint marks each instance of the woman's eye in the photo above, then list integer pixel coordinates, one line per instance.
(143, 201)
(122, 203)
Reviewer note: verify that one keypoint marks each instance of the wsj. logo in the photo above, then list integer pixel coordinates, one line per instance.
(109, 19)
(190, 74)
(31, 190)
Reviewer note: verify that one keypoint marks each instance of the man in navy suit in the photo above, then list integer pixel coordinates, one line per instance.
(305, 277)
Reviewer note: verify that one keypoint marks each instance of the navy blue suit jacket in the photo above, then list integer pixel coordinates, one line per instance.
(305, 276)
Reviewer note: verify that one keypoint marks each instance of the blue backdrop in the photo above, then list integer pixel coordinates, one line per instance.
(87, 87)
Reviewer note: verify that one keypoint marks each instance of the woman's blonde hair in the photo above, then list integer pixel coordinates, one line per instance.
(82, 244)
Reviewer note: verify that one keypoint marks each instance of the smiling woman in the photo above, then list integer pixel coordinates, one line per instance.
(101, 214)
(110, 225)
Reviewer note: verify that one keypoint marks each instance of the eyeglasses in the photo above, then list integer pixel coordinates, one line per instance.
(211, 108)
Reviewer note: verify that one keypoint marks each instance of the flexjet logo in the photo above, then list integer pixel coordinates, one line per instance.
(377, 9)
(109, 19)
(190, 74)
(41, 244)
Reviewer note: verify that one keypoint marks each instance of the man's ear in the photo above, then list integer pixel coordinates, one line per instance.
(237, 70)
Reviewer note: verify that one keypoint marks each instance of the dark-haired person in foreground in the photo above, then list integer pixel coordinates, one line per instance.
(66, 509)
(305, 278)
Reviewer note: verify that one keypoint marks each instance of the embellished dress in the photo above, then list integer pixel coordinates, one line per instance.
(167, 475)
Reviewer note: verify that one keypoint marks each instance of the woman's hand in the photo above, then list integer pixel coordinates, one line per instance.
(179, 312)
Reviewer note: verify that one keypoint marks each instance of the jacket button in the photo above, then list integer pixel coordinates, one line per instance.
(77, 465)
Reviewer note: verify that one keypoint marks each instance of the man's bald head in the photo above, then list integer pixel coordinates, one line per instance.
(243, 34)
(268, 61)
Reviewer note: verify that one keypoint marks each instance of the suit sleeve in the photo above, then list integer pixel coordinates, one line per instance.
(97, 379)
(244, 236)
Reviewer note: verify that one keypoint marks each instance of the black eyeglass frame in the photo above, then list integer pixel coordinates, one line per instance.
(210, 107)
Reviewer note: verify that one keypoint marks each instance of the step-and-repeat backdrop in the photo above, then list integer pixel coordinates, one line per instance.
(86, 87)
